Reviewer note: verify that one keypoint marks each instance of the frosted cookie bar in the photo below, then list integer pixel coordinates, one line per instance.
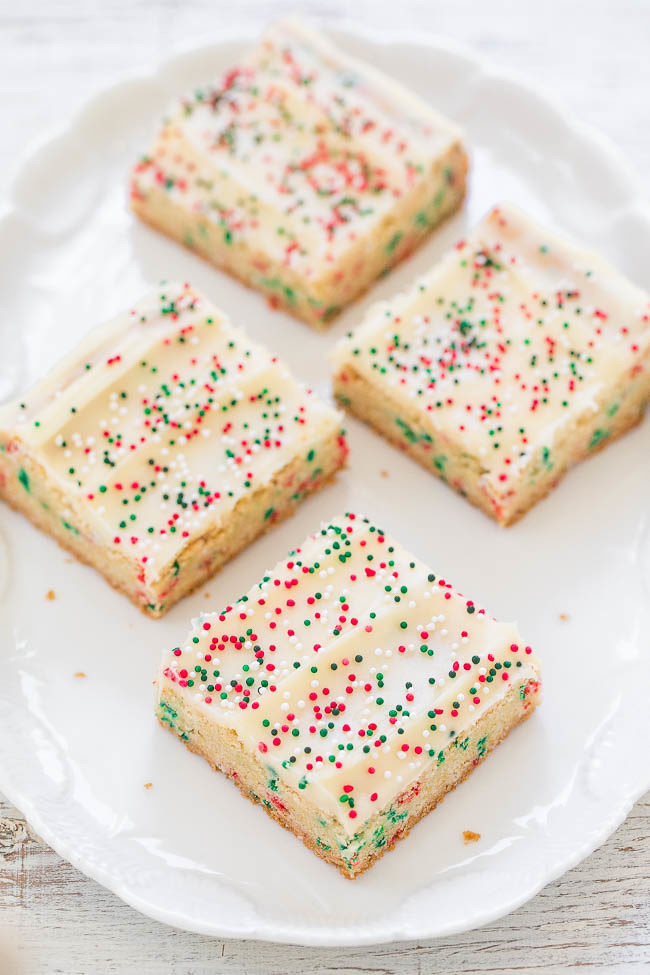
(164, 444)
(515, 357)
(303, 172)
(348, 691)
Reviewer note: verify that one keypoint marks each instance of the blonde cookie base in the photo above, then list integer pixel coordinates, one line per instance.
(51, 510)
(463, 472)
(321, 833)
(318, 300)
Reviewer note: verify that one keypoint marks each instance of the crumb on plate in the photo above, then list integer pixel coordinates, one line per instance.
(469, 836)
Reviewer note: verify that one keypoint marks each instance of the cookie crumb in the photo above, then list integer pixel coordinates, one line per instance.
(50, 594)
(384, 473)
(79, 673)
(564, 617)
(207, 595)
(148, 785)
(469, 836)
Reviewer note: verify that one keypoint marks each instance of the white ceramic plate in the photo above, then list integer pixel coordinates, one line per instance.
(75, 753)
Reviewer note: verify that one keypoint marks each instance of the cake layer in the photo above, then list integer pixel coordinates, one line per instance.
(348, 691)
(163, 444)
(303, 172)
(515, 357)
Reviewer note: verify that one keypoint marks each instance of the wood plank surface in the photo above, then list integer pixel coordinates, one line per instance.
(595, 918)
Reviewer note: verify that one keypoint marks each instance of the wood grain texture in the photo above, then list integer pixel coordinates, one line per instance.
(597, 917)
(592, 57)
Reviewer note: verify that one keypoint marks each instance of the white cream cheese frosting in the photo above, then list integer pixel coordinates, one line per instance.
(161, 421)
(298, 151)
(349, 668)
(513, 339)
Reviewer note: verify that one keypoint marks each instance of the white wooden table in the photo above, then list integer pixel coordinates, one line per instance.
(593, 57)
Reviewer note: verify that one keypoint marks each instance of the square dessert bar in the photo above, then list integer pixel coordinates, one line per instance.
(348, 691)
(164, 444)
(516, 356)
(303, 172)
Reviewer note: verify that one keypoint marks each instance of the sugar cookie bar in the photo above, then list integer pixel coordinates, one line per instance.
(515, 357)
(348, 691)
(303, 172)
(164, 444)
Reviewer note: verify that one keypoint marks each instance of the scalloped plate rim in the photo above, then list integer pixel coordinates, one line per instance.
(333, 936)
